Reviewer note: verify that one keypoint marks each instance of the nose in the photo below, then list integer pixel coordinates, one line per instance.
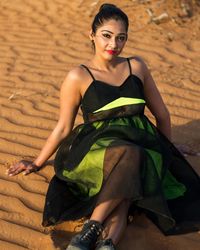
(113, 43)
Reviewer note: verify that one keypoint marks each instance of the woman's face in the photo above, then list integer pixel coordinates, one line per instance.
(110, 38)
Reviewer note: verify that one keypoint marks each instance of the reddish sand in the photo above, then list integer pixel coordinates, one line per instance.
(40, 41)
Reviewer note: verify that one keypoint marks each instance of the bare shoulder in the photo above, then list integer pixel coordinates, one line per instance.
(136, 58)
(138, 67)
(76, 74)
(75, 78)
(138, 61)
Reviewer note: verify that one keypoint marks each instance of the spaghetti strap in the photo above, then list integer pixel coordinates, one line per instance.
(129, 65)
(92, 74)
(88, 71)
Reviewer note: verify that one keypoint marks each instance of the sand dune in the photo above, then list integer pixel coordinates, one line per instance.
(40, 41)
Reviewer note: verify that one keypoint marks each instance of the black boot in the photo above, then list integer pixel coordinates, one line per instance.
(86, 239)
(106, 244)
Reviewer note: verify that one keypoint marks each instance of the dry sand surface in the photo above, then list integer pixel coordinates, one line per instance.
(40, 41)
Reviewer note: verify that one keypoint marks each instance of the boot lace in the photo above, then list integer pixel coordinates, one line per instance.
(91, 234)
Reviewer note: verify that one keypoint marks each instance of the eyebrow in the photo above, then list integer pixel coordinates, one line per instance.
(113, 33)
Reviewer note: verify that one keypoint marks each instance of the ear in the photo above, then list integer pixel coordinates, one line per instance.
(91, 35)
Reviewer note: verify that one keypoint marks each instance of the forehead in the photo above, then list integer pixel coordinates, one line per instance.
(115, 26)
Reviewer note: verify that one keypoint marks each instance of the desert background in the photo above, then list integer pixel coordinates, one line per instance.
(40, 41)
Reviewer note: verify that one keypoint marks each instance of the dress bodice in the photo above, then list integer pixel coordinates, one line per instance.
(101, 97)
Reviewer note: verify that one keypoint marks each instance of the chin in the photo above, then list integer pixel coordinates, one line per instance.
(110, 57)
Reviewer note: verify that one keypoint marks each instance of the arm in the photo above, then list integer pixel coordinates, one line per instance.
(155, 103)
(157, 107)
(159, 110)
(69, 103)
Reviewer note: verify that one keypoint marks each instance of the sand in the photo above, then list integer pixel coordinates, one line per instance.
(40, 41)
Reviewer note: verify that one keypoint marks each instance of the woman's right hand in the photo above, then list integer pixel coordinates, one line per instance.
(24, 166)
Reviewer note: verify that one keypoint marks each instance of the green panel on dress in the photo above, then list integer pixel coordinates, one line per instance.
(122, 101)
(88, 175)
(171, 187)
(142, 124)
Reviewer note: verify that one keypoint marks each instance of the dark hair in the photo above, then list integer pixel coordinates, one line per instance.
(106, 12)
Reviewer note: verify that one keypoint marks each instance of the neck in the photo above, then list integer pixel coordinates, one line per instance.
(105, 65)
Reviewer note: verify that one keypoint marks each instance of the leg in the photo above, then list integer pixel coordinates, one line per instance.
(116, 222)
(123, 168)
(114, 225)
(102, 210)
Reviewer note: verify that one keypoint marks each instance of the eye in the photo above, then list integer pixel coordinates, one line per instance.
(106, 35)
(121, 38)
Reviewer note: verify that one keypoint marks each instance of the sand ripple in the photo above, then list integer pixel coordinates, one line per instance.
(40, 41)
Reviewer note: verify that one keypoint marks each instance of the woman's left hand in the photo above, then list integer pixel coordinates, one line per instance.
(186, 150)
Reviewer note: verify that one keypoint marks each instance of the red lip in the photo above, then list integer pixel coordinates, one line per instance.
(112, 52)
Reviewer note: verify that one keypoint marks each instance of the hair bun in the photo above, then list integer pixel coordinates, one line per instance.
(107, 5)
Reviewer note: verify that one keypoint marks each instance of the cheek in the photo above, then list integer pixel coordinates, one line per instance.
(101, 43)
(121, 45)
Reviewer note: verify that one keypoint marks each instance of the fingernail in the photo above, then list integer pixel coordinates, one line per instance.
(10, 175)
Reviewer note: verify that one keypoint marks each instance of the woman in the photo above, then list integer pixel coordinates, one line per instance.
(117, 161)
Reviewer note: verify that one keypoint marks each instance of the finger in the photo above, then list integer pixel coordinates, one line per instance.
(26, 172)
(29, 170)
(11, 169)
(16, 169)
(189, 152)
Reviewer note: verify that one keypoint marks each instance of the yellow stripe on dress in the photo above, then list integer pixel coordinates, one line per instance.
(122, 101)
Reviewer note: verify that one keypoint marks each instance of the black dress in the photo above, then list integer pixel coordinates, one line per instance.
(118, 153)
